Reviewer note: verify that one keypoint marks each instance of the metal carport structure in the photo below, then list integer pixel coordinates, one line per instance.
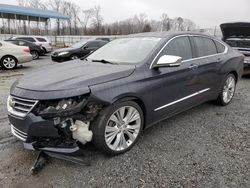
(28, 14)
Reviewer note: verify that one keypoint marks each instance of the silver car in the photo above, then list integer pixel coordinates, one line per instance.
(12, 55)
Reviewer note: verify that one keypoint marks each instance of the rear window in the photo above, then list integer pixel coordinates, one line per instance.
(30, 39)
(41, 39)
(220, 47)
(204, 46)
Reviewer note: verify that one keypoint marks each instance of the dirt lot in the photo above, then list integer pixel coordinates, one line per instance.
(208, 146)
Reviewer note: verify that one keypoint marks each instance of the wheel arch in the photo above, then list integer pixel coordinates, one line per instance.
(8, 55)
(235, 74)
(137, 100)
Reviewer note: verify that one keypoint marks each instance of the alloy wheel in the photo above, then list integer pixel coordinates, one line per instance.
(229, 89)
(122, 128)
(34, 55)
(9, 63)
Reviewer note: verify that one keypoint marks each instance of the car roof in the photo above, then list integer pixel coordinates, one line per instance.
(93, 40)
(168, 34)
(13, 39)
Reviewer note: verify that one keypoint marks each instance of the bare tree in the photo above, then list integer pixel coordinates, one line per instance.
(165, 22)
(86, 16)
(56, 5)
(97, 19)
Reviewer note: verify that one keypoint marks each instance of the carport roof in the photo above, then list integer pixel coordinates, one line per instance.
(33, 12)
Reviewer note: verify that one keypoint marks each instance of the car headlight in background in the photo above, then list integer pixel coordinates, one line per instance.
(62, 53)
(247, 60)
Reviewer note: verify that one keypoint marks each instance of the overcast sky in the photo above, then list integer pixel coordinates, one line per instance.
(205, 13)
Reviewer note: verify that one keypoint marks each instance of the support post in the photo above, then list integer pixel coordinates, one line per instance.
(29, 24)
(15, 26)
(38, 25)
(46, 27)
(2, 22)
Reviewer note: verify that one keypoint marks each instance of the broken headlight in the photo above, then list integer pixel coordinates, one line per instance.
(61, 108)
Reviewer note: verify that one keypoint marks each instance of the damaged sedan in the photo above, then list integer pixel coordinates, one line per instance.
(110, 97)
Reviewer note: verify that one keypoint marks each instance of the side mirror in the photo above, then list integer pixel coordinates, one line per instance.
(85, 48)
(169, 61)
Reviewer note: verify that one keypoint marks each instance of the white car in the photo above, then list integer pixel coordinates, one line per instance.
(11, 55)
(38, 40)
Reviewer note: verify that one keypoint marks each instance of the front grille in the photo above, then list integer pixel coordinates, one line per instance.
(21, 107)
(19, 134)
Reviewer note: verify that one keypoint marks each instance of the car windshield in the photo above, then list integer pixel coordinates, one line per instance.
(79, 44)
(126, 50)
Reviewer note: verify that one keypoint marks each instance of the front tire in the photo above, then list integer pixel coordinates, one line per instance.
(228, 90)
(118, 127)
(74, 56)
(8, 62)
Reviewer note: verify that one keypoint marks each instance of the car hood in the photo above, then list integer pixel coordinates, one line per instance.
(241, 29)
(70, 78)
(65, 49)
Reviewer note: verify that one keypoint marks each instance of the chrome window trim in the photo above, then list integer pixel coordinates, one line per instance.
(196, 58)
(182, 99)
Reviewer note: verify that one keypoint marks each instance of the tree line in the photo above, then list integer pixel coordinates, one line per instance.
(91, 22)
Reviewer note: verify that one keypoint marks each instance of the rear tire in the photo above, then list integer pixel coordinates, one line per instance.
(8, 62)
(35, 54)
(228, 90)
(117, 127)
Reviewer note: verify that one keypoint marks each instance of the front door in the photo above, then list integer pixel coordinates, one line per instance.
(175, 88)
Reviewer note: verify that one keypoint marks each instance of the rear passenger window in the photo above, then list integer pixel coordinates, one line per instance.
(179, 47)
(30, 39)
(204, 46)
(220, 47)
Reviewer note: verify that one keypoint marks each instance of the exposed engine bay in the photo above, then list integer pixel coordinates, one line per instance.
(70, 118)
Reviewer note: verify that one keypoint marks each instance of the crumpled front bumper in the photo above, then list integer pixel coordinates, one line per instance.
(31, 128)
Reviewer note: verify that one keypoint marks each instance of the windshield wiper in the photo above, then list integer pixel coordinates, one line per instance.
(104, 61)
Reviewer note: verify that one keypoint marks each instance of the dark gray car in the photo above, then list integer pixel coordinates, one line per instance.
(122, 88)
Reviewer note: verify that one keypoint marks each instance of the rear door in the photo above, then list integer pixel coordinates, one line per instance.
(209, 61)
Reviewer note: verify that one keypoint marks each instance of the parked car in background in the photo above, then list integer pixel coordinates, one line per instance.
(77, 50)
(120, 89)
(11, 55)
(38, 40)
(35, 50)
(237, 35)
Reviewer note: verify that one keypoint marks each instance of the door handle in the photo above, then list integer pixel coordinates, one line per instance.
(193, 66)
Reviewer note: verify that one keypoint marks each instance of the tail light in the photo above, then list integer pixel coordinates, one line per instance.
(26, 50)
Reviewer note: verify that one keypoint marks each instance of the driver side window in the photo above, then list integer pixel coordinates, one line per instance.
(179, 47)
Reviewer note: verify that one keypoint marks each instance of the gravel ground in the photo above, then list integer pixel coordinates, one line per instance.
(208, 146)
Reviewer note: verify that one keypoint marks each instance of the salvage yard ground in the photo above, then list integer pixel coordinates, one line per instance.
(208, 146)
